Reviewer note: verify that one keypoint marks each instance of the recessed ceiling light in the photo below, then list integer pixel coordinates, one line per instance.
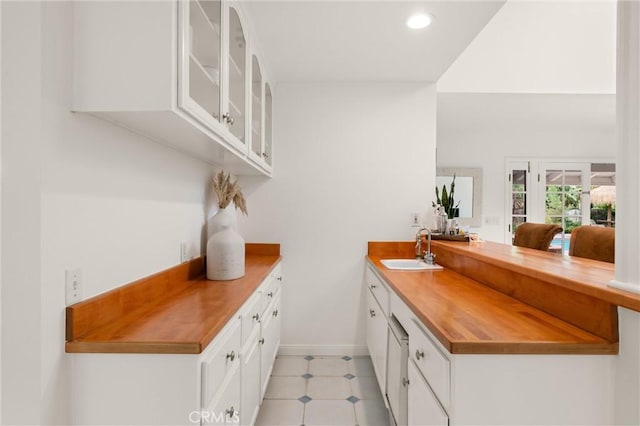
(418, 21)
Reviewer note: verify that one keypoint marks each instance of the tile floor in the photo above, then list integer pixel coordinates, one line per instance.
(323, 390)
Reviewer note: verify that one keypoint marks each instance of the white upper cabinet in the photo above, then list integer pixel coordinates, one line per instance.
(178, 72)
(261, 122)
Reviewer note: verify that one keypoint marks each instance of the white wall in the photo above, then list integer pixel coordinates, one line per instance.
(481, 130)
(353, 161)
(627, 384)
(20, 213)
(87, 194)
(540, 46)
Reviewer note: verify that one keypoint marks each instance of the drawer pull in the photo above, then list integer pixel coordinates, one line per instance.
(231, 356)
(270, 294)
(279, 278)
(419, 354)
(405, 382)
(261, 341)
(275, 313)
(231, 411)
(374, 286)
(256, 317)
(372, 313)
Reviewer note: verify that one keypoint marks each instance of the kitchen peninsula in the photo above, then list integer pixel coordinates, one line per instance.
(501, 334)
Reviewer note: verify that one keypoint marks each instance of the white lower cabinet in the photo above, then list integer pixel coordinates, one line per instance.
(377, 329)
(251, 384)
(224, 385)
(377, 338)
(424, 408)
(226, 409)
(270, 341)
(476, 389)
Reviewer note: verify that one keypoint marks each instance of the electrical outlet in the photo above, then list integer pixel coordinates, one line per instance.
(73, 286)
(183, 253)
(415, 220)
(492, 220)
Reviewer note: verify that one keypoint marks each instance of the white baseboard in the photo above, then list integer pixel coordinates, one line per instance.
(323, 350)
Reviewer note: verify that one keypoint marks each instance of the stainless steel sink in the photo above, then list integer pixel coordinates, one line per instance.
(408, 265)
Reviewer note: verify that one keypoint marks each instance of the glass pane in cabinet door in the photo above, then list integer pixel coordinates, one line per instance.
(237, 72)
(256, 108)
(268, 124)
(204, 54)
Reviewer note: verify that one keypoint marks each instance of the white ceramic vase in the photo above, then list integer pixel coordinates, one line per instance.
(225, 250)
(214, 222)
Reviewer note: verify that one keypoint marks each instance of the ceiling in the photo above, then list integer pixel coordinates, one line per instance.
(344, 40)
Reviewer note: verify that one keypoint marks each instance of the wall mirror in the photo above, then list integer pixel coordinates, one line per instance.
(468, 192)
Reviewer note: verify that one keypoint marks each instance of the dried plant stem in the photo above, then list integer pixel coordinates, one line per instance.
(228, 191)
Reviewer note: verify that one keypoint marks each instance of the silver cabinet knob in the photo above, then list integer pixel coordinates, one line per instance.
(374, 286)
(228, 118)
(372, 313)
(256, 317)
(231, 356)
(275, 313)
(261, 341)
(230, 411)
(270, 294)
(279, 278)
(405, 381)
(419, 354)
(265, 155)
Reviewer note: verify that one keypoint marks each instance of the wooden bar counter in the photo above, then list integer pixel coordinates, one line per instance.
(175, 311)
(493, 298)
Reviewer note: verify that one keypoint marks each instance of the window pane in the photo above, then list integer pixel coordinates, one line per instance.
(519, 204)
(519, 180)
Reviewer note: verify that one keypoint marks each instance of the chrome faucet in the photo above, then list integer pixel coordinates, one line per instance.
(429, 258)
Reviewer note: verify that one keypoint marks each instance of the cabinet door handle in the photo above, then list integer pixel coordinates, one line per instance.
(405, 382)
(419, 354)
(228, 118)
(279, 278)
(265, 155)
(256, 317)
(270, 294)
(231, 411)
(261, 341)
(275, 313)
(231, 356)
(374, 286)
(372, 313)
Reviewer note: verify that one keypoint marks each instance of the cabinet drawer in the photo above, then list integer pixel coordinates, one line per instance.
(379, 290)
(432, 363)
(221, 361)
(270, 288)
(251, 314)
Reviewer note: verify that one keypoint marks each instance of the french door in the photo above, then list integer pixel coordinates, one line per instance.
(548, 192)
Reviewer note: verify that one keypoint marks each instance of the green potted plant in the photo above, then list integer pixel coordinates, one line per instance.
(447, 201)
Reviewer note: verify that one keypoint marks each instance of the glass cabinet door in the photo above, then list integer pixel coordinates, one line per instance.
(268, 125)
(256, 108)
(204, 43)
(235, 116)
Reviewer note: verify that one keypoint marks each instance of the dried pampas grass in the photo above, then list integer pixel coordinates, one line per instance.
(228, 191)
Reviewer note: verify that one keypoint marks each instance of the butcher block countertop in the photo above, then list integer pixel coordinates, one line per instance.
(176, 311)
(497, 299)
